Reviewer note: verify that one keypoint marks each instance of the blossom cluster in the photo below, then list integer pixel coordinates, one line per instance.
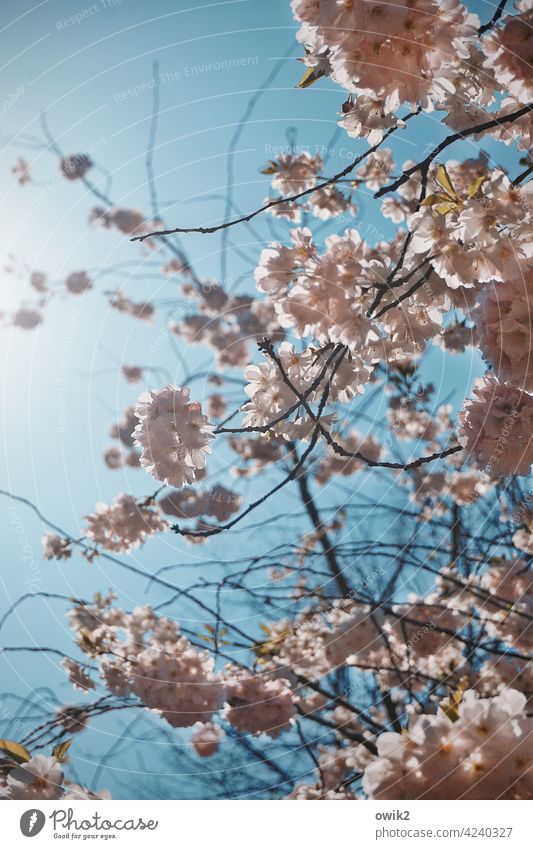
(173, 435)
(142, 654)
(423, 53)
(123, 525)
(42, 777)
(484, 754)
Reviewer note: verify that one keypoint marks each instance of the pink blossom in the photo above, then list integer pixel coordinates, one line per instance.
(485, 754)
(496, 427)
(123, 525)
(55, 547)
(206, 739)
(39, 778)
(75, 166)
(78, 282)
(504, 319)
(173, 435)
(258, 705)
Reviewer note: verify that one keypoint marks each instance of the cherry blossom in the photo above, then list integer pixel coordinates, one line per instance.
(38, 279)
(523, 537)
(178, 682)
(77, 676)
(42, 777)
(137, 309)
(483, 755)
(78, 282)
(27, 318)
(495, 427)
(133, 374)
(189, 503)
(173, 435)
(258, 705)
(123, 525)
(504, 319)
(21, 170)
(397, 52)
(127, 221)
(55, 547)
(206, 739)
(39, 778)
(293, 173)
(75, 166)
(376, 629)
(366, 116)
(509, 52)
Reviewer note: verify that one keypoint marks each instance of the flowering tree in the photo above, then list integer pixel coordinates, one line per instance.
(381, 650)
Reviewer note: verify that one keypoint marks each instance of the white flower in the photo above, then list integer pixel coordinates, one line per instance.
(179, 682)
(206, 739)
(293, 173)
(55, 547)
(259, 705)
(173, 434)
(366, 117)
(39, 778)
(124, 524)
(496, 427)
(77, 676)
(485, 754)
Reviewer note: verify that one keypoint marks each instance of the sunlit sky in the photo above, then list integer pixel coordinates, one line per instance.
(61, 384)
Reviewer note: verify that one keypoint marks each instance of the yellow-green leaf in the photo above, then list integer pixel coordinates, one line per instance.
(443, 179)
(16, 751)
(475, 187)
(436, 197)
(445, 208)
(450, 706)
(310, 77)
(61, 749)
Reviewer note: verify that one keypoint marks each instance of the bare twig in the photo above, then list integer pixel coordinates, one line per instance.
(277, 201)
(495, 18)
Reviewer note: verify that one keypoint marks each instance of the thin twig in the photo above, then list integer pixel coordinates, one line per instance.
(276, 201)
(458, 136)
(495, 18)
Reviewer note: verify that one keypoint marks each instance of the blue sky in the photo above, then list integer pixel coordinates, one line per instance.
(89, 67)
